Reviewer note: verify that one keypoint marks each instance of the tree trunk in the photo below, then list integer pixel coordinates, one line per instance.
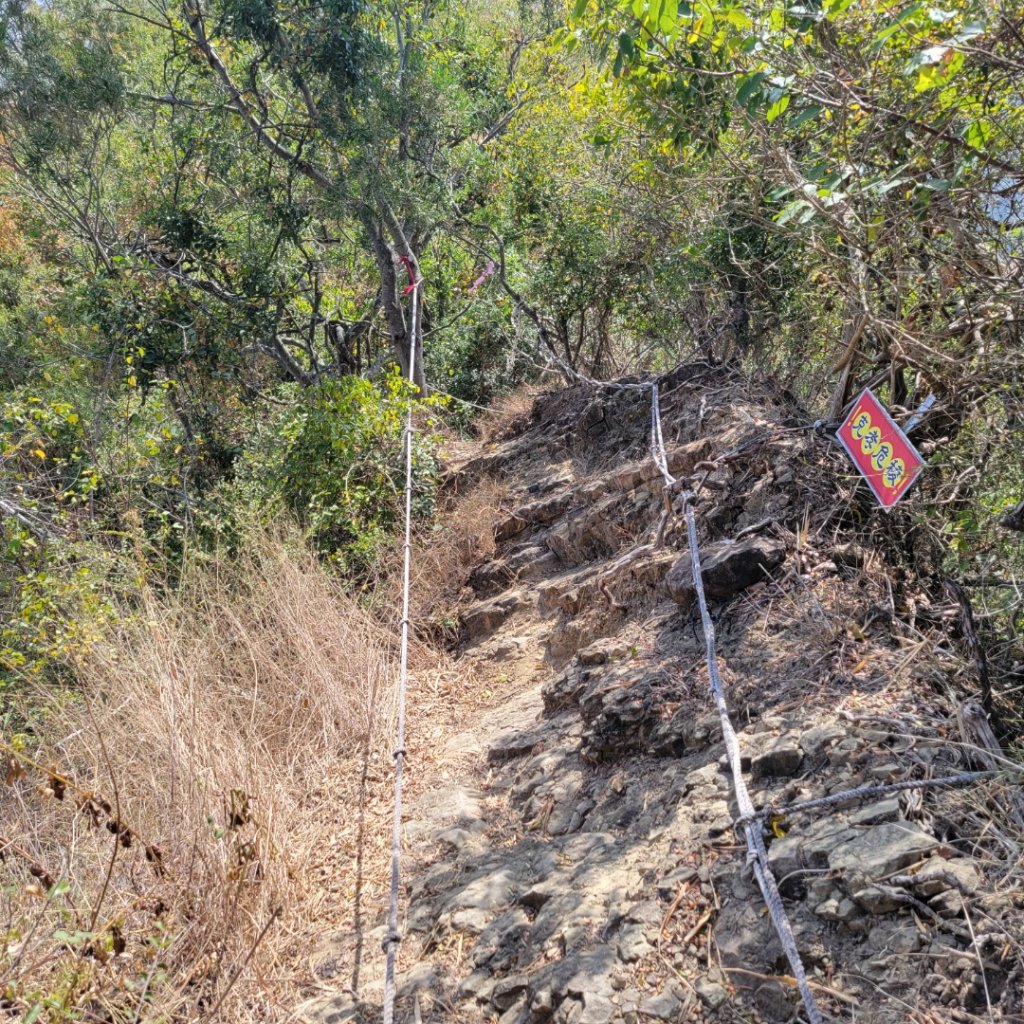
(391, 299)
(407, 256)
(847, 363)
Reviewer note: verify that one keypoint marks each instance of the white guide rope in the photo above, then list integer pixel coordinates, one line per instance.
(394, 937)
(757, 853)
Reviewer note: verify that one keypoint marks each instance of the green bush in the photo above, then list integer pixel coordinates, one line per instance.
(332, 457)
(343, 472)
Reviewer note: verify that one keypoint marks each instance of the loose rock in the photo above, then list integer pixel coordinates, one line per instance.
(882, 850)
(712, 994)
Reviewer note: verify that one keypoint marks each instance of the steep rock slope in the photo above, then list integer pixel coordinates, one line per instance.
(588, 870)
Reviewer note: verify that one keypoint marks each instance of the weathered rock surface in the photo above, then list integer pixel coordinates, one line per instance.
(776, 756)
(599, 876)
(881, 851)
(486, 616)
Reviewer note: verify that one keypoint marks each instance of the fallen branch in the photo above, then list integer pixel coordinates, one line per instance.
(790, 982)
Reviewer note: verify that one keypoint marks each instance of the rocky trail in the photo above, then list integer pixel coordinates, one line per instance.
(579, 863)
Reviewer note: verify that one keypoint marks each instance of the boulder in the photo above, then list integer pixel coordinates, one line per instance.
(842, 911)
(535, 513)
(511, 745)
(712, 994)
(809, 848)
(602, 651)
(939, 875)
(479, 985)
(502, 941)
(487, 616)
(509, 991)
(819, 738)
(883, 810)
(727, 568)
(774, 1001)
(663, 1006)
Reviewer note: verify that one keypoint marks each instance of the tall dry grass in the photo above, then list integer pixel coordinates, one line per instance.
(506, 415)
(443, 558)
(444, 555)
(158, 830)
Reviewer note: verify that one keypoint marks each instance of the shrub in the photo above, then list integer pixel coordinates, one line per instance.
(342, 472)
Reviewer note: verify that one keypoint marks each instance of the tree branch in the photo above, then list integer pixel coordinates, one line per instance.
(238, 104)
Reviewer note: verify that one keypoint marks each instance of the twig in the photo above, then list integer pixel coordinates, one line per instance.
(35, 869)
(694, 931)
(117, 811)
(977, 954)
(974, 648)
(790, 982)
(241, 967)
(673, 907)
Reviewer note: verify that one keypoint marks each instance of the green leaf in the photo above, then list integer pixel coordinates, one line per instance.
(59, 889)
(33, 1014)
(940, 71)
(749, 84)
(735, 17)
(805, 115)
(790, 210)
(929, 55)
(978, 133)
(895, 25)
(778, 108)
(969, 31)
(882, 187)
(578, 9)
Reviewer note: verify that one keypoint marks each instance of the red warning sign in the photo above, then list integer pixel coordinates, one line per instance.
(880, 450)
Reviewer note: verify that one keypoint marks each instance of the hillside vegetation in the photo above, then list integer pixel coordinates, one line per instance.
(212, 214)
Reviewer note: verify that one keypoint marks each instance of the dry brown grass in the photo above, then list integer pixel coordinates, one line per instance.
(444, 557)
(506, 415)
(206, 730)
(197, 829)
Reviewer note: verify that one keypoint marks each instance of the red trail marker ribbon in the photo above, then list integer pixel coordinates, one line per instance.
(411, 271)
